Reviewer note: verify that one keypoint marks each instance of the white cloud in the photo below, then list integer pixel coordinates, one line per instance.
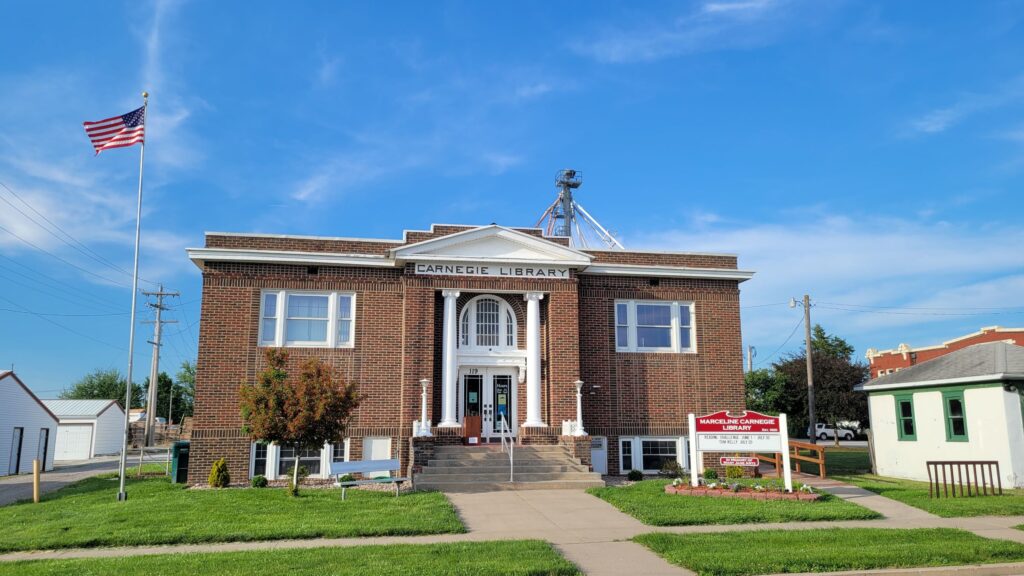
(965, 106)
(713, 26)
(953, 271)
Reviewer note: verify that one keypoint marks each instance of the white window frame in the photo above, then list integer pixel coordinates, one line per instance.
(333, 319)
(677, 309)
(467, 325)
(682, 456)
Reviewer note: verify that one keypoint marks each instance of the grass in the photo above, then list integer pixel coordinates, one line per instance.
(835, 549)
(507, 558)
(87, 514)
(648, 502)
(1011, 503)
(839, 461)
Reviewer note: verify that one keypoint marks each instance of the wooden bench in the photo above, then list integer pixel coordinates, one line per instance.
(340, 469)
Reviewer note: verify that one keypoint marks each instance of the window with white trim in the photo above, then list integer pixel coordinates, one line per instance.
(307, 319)
(487, 322)
(648, 454)
(654, 326)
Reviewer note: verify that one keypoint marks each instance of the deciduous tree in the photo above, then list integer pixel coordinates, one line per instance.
(304, 412)
(103, 385)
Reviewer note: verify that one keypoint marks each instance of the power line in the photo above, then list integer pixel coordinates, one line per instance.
(899, 312)
(62, 315)
(68, 262)
(795, 328)
(59, 325)
(58, 284)
(48, 291)
(926, 307)
(74, 243)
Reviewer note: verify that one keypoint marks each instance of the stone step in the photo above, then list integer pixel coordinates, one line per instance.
(442, 467)
(497, 448)
(503, 476)
(482, 456)
(446, 486)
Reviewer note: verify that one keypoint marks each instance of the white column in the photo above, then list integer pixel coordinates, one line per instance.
(449, 370)
(533, 359)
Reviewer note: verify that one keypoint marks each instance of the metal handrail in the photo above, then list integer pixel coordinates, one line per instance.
(506, 434)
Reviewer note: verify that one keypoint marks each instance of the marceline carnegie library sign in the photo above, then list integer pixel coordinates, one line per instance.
(736, 433)
(511, 271)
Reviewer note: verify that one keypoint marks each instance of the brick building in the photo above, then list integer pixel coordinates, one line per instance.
(499, 321)
(903, 356)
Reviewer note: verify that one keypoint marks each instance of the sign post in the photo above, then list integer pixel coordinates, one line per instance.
(746, 431)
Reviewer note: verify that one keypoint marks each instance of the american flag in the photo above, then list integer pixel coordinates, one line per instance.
(117, 132)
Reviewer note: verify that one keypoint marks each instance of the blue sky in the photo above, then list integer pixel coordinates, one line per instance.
(869, 153)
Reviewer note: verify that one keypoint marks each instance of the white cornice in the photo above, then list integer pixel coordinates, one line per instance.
(201, 255)
(667, 272)
(547, 253)
(1001, 377)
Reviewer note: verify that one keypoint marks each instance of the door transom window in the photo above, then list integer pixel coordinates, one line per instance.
(487, 323)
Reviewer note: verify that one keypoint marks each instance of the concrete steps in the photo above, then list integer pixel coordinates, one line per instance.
(486, 468)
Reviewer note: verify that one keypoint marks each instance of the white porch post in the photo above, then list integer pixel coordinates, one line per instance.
(533, 359)
(449, 370)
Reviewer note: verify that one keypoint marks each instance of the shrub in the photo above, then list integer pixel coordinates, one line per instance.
(734, 472)
(258, 481)
(710, 475)
(671, 469)
(347, 478)
(635, 475)
(219, 477)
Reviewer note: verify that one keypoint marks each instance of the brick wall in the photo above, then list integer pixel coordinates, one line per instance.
(398, 342)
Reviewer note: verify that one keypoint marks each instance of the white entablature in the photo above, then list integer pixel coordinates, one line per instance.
(491, 244)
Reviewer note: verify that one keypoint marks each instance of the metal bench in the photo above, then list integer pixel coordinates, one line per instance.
(339, 469)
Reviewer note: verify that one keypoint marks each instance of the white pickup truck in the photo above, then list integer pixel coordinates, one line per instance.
(824, 432)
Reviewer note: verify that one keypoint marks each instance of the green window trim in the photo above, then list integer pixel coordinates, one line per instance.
(955, 411)
(901, 419)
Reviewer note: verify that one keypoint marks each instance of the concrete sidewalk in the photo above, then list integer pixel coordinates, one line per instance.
(15, 488)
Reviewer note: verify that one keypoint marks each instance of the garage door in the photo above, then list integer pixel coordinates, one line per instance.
(74, 442)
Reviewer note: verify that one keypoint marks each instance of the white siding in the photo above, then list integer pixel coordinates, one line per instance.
(994, 430)
(109, 433)
(19, 409)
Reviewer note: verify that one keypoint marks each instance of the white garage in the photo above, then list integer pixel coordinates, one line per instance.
(27, 428)
(87, 428)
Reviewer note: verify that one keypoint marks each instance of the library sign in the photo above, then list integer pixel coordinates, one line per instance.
(502, 270)
(735, 432)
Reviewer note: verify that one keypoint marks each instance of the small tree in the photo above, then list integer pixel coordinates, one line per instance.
(304, 413)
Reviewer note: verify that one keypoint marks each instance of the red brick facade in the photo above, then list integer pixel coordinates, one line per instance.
(398, 342)
(887, 361)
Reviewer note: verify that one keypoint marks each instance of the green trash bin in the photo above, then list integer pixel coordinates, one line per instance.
(179, 462)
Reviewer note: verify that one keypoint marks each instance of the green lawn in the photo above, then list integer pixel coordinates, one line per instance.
(1011, 503)
(519, 558)
(648, 502)
(835, 549)
(158, 512)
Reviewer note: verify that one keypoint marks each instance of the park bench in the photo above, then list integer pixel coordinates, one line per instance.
(339, 469)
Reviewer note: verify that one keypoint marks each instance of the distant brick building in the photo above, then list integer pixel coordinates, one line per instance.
(500, 321)
(903, 356)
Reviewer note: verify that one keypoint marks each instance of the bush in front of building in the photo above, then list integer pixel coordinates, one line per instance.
(219, 476)
(671, 469)
(258, 481)
(710, 475)
(734, 472)
(635, 476)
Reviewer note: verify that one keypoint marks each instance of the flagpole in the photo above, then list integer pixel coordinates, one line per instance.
(122, 495)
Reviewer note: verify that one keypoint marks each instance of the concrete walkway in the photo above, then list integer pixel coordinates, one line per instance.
(594, 535)
(14, 488)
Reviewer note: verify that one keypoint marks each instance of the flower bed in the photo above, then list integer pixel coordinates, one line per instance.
(741, 491)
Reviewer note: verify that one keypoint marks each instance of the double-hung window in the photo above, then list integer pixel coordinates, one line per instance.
(654, 326)
(310, 319)
(905, 427)
(956, 415)
(649, 454)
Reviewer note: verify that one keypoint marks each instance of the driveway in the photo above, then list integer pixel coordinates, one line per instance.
(14, 488)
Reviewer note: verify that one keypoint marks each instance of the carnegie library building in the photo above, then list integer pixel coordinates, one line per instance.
(496, 324)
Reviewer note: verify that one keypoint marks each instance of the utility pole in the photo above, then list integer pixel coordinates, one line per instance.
(812, 425)
(813, 432)
(751, 352)
(154, 370)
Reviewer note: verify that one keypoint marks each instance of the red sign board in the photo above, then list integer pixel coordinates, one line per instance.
(737, 423)
(749, 462)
